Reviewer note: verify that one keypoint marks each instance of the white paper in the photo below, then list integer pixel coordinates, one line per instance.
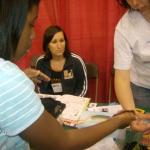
(106, 110)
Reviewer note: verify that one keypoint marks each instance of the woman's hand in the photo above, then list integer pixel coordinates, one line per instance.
(36, 75)
(140, 125)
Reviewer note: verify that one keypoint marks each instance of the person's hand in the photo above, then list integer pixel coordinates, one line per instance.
(143, 116)
(140, 125)
(126, 117)
(36, 75)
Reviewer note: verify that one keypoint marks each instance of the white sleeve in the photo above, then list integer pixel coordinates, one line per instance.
(122, 52)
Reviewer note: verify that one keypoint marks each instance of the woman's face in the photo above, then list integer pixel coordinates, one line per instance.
(140, 5)
(57, 44)
(28, 34)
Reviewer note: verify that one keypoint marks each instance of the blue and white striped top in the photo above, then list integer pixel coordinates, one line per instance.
(19, 106)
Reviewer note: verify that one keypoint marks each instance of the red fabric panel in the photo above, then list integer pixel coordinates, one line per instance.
(89, 26)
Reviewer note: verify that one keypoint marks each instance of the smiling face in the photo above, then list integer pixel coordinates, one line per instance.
(28, 34)
(57, 45)
(141, 5)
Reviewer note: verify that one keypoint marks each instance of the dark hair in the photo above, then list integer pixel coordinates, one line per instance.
(124, 3)
(13, 15)
(48, 35)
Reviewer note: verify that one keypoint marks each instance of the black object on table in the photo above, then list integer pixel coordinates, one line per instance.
(54, 107)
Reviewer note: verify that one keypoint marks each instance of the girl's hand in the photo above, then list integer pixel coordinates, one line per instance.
(36, 75)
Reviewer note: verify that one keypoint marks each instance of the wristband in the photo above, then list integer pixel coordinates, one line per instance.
(140, 110)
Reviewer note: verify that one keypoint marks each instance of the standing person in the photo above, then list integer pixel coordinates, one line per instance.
(66, 70)
(23, 119)
(132, 55)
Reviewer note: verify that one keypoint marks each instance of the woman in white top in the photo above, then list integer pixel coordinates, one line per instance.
(132, 55)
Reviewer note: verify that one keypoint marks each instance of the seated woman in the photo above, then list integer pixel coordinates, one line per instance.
(66, 70)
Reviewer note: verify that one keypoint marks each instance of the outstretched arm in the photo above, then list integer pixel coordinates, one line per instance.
(46, 133)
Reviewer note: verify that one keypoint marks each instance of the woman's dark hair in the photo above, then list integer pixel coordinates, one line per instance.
(48, 36)
(13, 14)
(124, 3)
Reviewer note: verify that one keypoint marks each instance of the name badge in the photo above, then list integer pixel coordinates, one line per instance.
(57, 87)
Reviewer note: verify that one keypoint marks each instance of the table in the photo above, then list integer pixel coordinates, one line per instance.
(127, 136)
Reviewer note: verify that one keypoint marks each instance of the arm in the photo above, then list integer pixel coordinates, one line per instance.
(146, 116)
(36, 75)
(52, 135)
(123, 57)
(123, 89)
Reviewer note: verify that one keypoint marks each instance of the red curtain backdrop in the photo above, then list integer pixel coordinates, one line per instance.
(89, 26)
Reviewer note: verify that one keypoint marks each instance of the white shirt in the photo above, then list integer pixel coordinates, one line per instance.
(132, 47)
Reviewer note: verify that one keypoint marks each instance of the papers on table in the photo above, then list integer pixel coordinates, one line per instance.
(78, 114)
(108, 110)
(96, 114)
(75, 105)
(48, 96)
(88, 119)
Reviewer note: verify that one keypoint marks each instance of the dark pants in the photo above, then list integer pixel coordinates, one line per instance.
(141, 96)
